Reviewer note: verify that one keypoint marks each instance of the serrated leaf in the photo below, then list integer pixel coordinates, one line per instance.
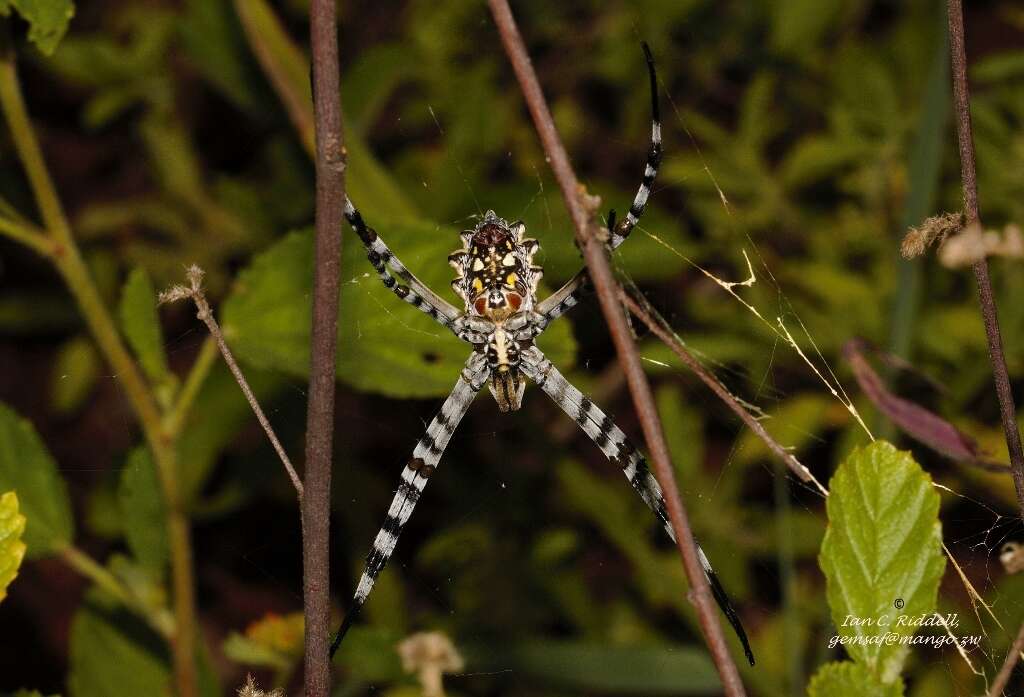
(27, 467)
(849, 679)
(143, 511)
(12, 549)
(114, 653)
(141, 325)
(384, 344)
(882, 548)
(47, 19)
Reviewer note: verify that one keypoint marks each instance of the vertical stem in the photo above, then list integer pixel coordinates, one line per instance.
(73, 269)
(330, 197)
(629, 358)
(961, 102)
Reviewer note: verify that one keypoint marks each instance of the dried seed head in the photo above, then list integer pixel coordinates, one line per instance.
(932, 230)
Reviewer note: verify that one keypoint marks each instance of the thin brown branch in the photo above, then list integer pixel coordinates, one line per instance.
(688, 359)
(194, 292)
(330, 198)
(968, 174)
(1009, 663)
(581, 210)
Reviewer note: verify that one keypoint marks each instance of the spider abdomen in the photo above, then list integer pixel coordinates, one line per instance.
(496, 276)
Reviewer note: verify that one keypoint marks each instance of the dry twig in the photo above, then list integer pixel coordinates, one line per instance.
(194, 292)
(666, 337)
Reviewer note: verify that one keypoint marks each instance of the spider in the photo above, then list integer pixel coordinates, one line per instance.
(497, 282)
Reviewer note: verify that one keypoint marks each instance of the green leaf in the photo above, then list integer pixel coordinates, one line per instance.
(143, 510)
(12, 549)
(384, 344)
(798, 25)
(48, 20)
(28, 468)
(75, 371)
(114, 653)
(646, 670)
(882, 548)
(212, 38)
(141, 325)
(218, 414)
(848, 679)
(369, 654)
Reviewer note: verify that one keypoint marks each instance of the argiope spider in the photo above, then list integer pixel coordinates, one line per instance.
(497, 280)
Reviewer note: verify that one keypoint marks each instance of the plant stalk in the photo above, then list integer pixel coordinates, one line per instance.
(986, 298)
(330, 198)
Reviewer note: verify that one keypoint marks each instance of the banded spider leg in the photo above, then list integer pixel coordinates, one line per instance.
(568, 296)
(387, 265)
(620, 451)
(425, 459)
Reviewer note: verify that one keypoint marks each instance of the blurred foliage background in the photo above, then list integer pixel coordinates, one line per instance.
(808, 134)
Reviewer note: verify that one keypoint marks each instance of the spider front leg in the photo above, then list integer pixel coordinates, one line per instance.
(424, 461)
(619, 450)
(563, 299)
(412, 290)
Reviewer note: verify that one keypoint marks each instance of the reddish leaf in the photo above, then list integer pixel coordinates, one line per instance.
(917, 422)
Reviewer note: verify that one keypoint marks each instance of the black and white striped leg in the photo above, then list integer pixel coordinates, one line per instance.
(562, 300)
(406, 286)
(424, 461)
(619, 450)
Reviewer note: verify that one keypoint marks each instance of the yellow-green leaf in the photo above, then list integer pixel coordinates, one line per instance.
(12, 549)
(882, 555)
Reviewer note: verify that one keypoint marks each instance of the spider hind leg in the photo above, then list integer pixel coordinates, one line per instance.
(620, 451)
(415, 474)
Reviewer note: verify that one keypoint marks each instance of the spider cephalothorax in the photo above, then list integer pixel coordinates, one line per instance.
(501, 317)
